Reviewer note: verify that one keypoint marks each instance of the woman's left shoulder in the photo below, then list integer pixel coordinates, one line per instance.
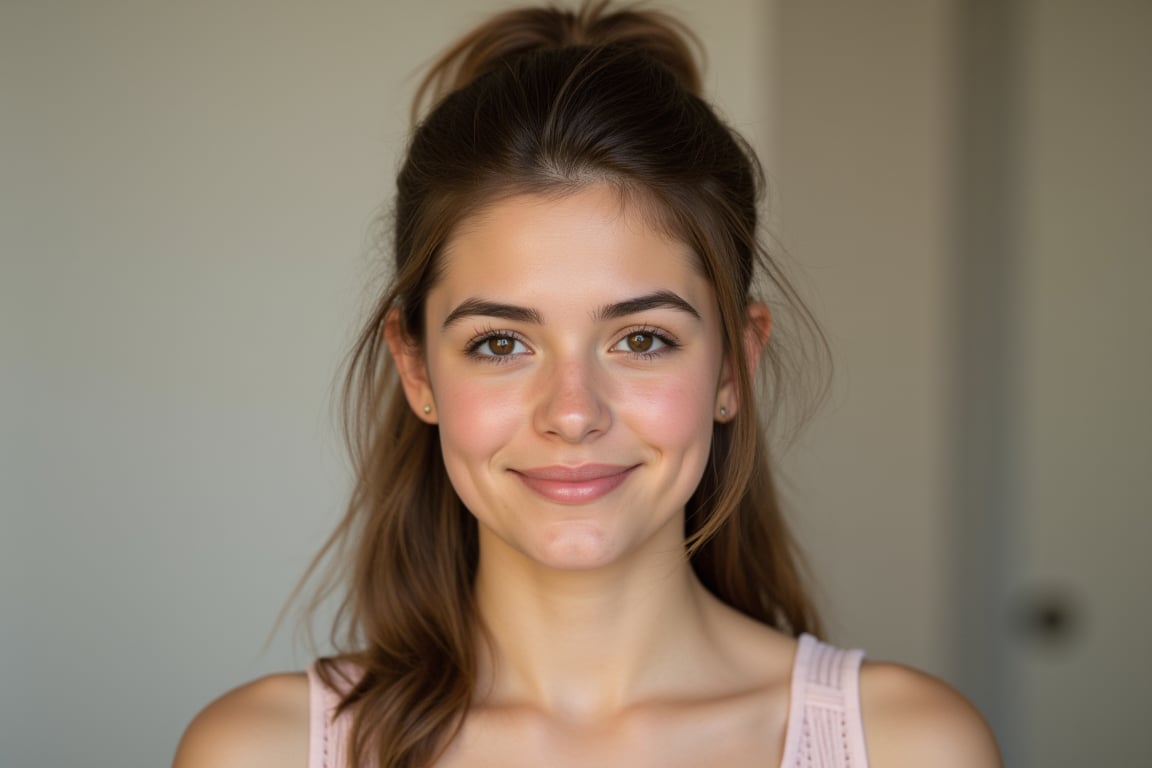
(913, 719)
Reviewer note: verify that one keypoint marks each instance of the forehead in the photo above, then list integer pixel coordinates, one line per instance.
(590, 240)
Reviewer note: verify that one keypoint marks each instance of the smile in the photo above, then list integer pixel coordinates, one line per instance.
(574, 485)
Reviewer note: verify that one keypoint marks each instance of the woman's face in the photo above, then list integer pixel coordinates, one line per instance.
(574, 363)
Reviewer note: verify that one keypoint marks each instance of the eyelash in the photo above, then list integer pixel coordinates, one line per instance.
(472, 348)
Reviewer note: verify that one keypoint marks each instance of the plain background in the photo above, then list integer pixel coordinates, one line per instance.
(190, 208)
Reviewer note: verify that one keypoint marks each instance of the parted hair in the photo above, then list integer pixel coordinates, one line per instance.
(542, 101)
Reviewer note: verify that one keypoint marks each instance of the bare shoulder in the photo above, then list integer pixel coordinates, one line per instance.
(913, 719)
(262, 723)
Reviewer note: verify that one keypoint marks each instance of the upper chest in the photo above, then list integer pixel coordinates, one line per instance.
(747, 731)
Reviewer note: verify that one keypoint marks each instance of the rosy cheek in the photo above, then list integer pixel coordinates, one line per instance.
(477, 417)
(673, 411)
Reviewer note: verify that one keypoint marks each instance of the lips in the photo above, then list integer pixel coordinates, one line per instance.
(575, 485)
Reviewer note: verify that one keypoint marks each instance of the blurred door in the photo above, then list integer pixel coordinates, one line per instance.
(1082, 421)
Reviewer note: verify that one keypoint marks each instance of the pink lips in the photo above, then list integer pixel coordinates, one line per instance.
(575, 485)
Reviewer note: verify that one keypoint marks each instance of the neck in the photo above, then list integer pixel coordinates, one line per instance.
(587, 643)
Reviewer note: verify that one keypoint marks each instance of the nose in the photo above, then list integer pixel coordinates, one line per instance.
(572, 406)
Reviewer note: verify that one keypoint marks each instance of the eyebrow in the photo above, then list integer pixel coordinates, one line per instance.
(654, 300)
(470, 307)
(483, 307)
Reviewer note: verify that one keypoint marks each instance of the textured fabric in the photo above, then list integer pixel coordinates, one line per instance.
(327, 734)
(824, 725)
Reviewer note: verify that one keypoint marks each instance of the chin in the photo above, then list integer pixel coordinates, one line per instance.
(577, 547)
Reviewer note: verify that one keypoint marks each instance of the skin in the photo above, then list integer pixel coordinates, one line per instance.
(604, 649)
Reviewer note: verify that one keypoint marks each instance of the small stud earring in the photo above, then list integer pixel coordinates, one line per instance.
(427, 409)
(723, 411)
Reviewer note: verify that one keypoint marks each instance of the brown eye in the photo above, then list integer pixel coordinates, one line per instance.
(501, 345)
(644, 344)
(640, 342)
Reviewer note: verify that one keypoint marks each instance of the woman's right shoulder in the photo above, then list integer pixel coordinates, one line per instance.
(262, 723)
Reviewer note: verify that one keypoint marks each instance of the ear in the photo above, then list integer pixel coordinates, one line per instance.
(757, 328)
(409, 359)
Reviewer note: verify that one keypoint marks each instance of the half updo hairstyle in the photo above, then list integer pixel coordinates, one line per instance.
(543, 102)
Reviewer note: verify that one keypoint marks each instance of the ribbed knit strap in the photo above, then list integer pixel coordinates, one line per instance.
(327, 734)
(824, 724)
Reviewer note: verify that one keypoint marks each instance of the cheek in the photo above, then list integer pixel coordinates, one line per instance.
(476, 417)
(672, 413)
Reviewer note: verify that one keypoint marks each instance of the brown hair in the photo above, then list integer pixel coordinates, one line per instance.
(541, 101)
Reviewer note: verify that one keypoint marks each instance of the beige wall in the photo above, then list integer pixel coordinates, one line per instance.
(864, 136)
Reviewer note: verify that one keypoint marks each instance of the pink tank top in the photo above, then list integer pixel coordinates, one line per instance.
(824, 726)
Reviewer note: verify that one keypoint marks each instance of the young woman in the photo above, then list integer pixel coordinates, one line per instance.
(564, 547)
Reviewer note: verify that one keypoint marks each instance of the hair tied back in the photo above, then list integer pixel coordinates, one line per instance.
(594, 23)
